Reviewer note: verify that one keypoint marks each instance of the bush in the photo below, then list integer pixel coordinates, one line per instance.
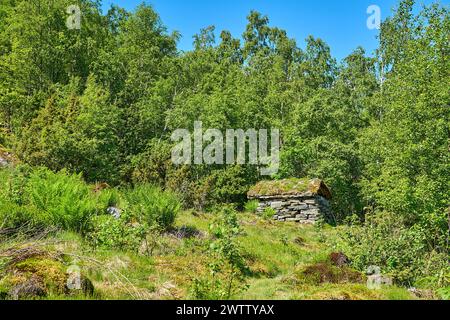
(203, 188)
(143, 209)
(110, 198)
(229, 269)
(384, 240)
(111, 233)
(154, 206)
(43, 198)
(60, 199)
(13, 213)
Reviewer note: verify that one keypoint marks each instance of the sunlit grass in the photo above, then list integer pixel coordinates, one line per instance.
(275, 252)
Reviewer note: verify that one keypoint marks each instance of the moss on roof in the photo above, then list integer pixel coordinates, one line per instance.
(292, 186)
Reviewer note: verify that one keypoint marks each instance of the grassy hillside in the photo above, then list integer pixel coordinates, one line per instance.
(278, 254)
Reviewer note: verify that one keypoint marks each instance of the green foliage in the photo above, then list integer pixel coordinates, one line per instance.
(251, 206)
(229, 185)
(268, 213)
(110, 233)
(385, 241)
(215, 186)
(153, 165)
(13, 212)
(228, 267)
(103, 101)
(444, 293)
(406, 165)
(144, 210)
(153, 206)
(75, 132)
(44, 198)
(62, 199)
(110, 198)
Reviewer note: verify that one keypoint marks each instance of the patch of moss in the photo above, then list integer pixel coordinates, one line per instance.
(279, 187)
(40, 276)
(290, 187)
(340, 292)
(324, 272)
(52, 272)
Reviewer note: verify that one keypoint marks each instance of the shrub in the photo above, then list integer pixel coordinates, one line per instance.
(154, 206)
(153, 165)
(203, 188)
(13, 212)
(110, 198)
(229, 268)
(384, 240)
(43, 198)
(60, 199)
(111, 233)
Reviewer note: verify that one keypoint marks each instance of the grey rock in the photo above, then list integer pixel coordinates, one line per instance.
(3, 162)
(311, 212)
(115, 212)
(376, 281)
(300, 207)
(276, 205)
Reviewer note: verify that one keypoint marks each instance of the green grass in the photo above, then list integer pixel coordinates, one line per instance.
(275, 252)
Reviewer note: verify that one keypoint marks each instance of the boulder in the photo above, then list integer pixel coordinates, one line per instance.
(33, 274)
(33, 287)
(377, 281)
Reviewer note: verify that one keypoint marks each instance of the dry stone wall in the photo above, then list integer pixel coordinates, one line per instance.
(303, 208)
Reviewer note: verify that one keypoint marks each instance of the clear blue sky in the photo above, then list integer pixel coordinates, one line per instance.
(341, 23)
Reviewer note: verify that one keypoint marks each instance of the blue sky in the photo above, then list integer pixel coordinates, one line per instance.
(341, 23)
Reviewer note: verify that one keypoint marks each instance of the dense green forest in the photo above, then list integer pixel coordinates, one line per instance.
(99, 105)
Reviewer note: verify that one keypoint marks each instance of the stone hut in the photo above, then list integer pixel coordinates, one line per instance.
(298, 200)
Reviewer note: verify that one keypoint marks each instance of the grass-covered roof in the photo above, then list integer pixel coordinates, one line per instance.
(292, 186)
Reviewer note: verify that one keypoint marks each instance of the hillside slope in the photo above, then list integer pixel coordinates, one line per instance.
(285, 260)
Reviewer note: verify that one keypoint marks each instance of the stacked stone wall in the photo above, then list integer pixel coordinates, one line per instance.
(297, 208)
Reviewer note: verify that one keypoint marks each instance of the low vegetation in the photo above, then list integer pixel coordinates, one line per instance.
(210, 256)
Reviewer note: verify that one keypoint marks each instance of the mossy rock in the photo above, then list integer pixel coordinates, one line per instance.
(40, 277)
(325, 272)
